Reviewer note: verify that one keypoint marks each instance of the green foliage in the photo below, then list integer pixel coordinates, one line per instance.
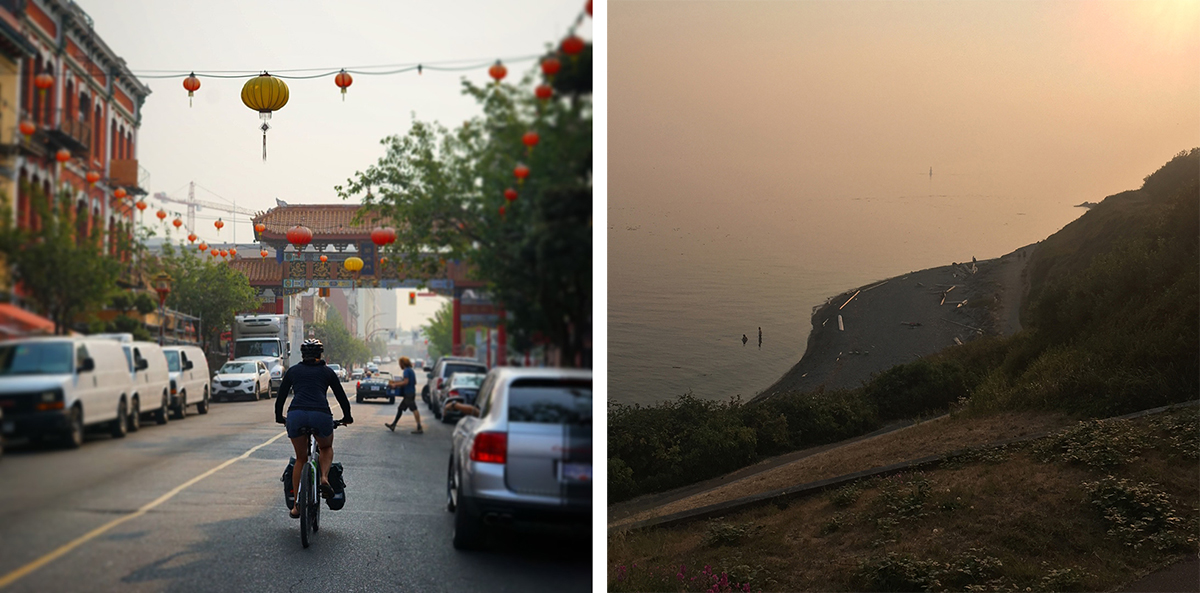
(1065, 579)
(846, 495)
(971, 570)
(447, 186)
(65, 273)
(1100, 444)
(836, 523)
(1138, 514)
(720, 533)
(903, 496)
(440, 332)
(211, 291)
(340, 346)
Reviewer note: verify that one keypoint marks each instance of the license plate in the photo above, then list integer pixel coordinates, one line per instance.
(8, 427)
(577, 472)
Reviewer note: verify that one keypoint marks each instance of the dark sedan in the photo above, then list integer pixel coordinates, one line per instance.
(463, 388)
(374, 386)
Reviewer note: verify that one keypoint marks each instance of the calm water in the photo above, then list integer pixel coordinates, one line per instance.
(685, 283)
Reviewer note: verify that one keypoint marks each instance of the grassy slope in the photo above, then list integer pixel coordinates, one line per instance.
(996, 520)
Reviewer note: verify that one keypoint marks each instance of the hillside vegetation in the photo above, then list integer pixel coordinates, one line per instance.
(1112, 325)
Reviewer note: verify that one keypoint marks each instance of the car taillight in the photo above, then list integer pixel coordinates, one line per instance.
(357, 385)
(439, 383)
(490, 447)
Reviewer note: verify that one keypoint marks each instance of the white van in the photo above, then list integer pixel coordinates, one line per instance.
(189, 379)
(54, 387)
(151, 381)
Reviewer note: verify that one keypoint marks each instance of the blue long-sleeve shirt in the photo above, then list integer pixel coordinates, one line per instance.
(309, 381)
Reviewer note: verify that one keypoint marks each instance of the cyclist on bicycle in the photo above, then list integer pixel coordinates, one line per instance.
(309, 381)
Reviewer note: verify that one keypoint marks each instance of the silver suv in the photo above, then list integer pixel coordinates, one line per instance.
(527, 457)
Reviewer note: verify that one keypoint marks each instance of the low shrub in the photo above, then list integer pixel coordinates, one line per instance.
(1100, 444)
(1137, 513)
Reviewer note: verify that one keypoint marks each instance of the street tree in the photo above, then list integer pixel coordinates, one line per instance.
(444, 189)
(214, 292)
(61, 266)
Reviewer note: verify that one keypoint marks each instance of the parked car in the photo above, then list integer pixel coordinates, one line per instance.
(527, 457)
(189, 379)
(418, 363)
(151, 380)
(357, 374)
(372, 368)
(242, 378)
(446, 366)
(341, 372)
(373, 387)
(376, 360)
(462, 388)
(55, 387)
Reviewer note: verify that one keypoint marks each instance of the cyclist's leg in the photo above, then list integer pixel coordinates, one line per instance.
(300, 444)
(325, 459)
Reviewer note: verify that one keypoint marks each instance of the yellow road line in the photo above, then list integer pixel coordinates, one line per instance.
(19, 573)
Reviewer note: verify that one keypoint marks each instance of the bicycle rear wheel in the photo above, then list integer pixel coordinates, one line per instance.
(314, 505)
(302, 501)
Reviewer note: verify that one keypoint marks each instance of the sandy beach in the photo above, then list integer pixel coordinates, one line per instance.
(871, 328)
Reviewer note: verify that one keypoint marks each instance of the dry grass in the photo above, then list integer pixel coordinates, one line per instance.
(1033, 517)
(928, 438)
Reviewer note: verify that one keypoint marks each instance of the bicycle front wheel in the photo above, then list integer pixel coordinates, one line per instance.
(303, 502)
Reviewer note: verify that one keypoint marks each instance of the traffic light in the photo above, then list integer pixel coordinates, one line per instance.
(412, 298)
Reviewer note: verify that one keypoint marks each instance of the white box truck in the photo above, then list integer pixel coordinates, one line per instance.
(273, 339)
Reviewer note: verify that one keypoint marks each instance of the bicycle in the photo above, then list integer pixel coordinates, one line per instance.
(310, 478)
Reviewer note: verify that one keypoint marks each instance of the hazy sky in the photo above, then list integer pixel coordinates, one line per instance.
(714, 101)
(317, 141)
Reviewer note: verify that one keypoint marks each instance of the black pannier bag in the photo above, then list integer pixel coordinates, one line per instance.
(338, 481)
(289, 497)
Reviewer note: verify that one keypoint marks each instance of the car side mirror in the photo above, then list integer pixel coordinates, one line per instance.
(189, 365)
(87, 365)
(143, 364)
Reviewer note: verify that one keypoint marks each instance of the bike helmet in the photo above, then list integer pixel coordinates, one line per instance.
(311, 348)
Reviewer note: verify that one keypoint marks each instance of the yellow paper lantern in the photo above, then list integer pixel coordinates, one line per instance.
(353, 264)
(265, 94)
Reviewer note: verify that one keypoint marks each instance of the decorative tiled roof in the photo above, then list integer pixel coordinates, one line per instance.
(323, 219)
(259, 271)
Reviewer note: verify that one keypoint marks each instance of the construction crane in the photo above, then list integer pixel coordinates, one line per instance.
(192, 204)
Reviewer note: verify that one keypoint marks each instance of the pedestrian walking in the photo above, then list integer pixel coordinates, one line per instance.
(408, 392)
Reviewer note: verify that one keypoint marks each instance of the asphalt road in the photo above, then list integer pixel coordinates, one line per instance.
(78, 520)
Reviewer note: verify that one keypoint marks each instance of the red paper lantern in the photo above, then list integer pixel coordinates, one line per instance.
(191, 237)
(63, 155)
(391, 234)
(544, 92)
(214, 253)
(379, 237)
(264, 253)
(224, 253)
(219, 223)
(510, 194)
(497, 71)
(192, 84)
(551, 66)
(43, 81)
(383, 260)
(572, 45)
(93, 177)
(162, 214)
(343, 80)
(178, 223)
(141, 205)
(27, 128)
(260, 227)
(588, 8)
(232, 252)
(521, 172)
(502, 211)
(299, 236)
(119, 193)
(324, 258)
(202, 246)
(530, 139)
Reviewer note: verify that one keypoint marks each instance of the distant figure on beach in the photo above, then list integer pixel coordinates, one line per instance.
(760, 337)
(744, 339)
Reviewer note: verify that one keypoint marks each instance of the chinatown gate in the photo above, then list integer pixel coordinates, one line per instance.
(335, 235)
